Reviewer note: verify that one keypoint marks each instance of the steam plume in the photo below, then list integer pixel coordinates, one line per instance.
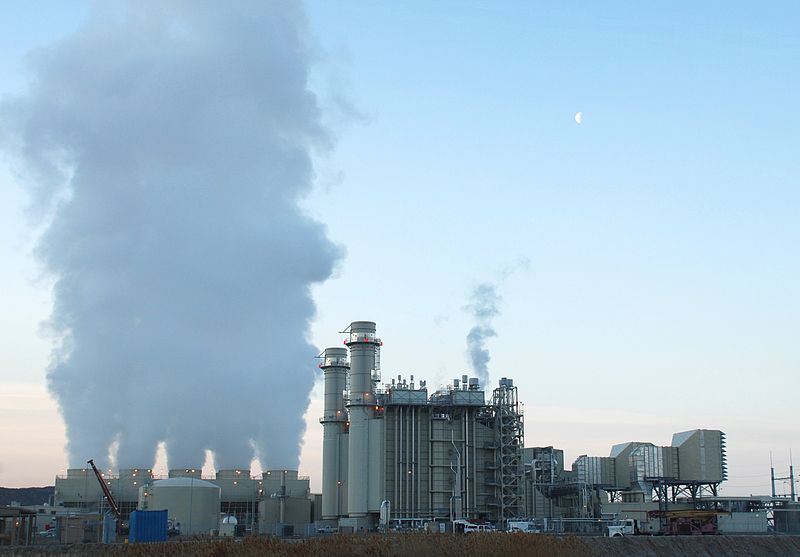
(483, 306)
(182, 134)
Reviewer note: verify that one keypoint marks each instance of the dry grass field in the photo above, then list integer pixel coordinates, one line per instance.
(441, 545)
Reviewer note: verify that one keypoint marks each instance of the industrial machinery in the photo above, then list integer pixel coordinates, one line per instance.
(688, 522)
(106, 492)
(111, 503)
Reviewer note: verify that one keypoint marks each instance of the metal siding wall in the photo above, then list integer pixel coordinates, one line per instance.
(623, 468)
(197, 509)
(670, 462)
(689, 458)
(441, 457)
(78, 490)
(427, 491)
(484, 494)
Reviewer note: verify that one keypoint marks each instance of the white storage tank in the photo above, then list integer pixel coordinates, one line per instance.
(191, 503)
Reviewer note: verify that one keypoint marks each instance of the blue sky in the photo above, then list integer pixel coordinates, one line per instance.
(659, 290)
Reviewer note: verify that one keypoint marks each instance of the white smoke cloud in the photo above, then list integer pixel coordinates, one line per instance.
(483, 306)
(182, 132)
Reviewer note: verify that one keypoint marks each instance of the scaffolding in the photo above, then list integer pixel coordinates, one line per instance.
(508, 421)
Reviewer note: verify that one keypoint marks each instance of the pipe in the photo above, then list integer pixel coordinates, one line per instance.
(411, 464)
(382, 487)
(405, 471)
(396, 460)
(419, 480)
(401, 473)
(457, 512)
(338, 475)
(466, 452)
(430, 462)
(475, 460)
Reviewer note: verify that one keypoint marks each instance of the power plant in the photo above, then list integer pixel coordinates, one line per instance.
(398, 456)
(393, 448)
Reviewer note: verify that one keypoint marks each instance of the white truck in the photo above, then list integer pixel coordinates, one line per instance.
(626, 527)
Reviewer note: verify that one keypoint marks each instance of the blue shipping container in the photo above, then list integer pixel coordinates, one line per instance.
(148, 526)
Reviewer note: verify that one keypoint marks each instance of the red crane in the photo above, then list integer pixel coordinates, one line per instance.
(106, 492)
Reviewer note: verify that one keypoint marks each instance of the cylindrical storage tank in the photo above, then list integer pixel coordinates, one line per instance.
(363, 344)
(334, 366)
(192, 504)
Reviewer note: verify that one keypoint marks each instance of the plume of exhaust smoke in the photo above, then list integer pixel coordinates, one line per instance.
(483, 306)
(182, 133)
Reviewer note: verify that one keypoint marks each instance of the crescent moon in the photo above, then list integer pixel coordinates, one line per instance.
(579, 117)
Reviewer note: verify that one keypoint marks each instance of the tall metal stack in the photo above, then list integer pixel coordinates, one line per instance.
(363, 344)
(334, 428)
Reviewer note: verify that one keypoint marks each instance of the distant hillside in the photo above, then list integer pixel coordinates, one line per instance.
(25, 495)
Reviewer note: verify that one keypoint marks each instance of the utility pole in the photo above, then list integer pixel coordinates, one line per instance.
(789, 478)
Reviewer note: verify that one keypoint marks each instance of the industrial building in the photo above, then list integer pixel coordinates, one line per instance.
(393, 452)
(398, 455)
(415, 456)
(277, 501)
(634, 481)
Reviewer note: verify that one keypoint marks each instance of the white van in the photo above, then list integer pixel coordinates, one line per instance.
(466, 527)
(521, 526)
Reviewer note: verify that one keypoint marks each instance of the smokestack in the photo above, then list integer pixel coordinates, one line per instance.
(363, 344)
(182, 135)
(334, 366)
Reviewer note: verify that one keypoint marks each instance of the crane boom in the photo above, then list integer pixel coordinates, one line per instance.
(104, 487)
